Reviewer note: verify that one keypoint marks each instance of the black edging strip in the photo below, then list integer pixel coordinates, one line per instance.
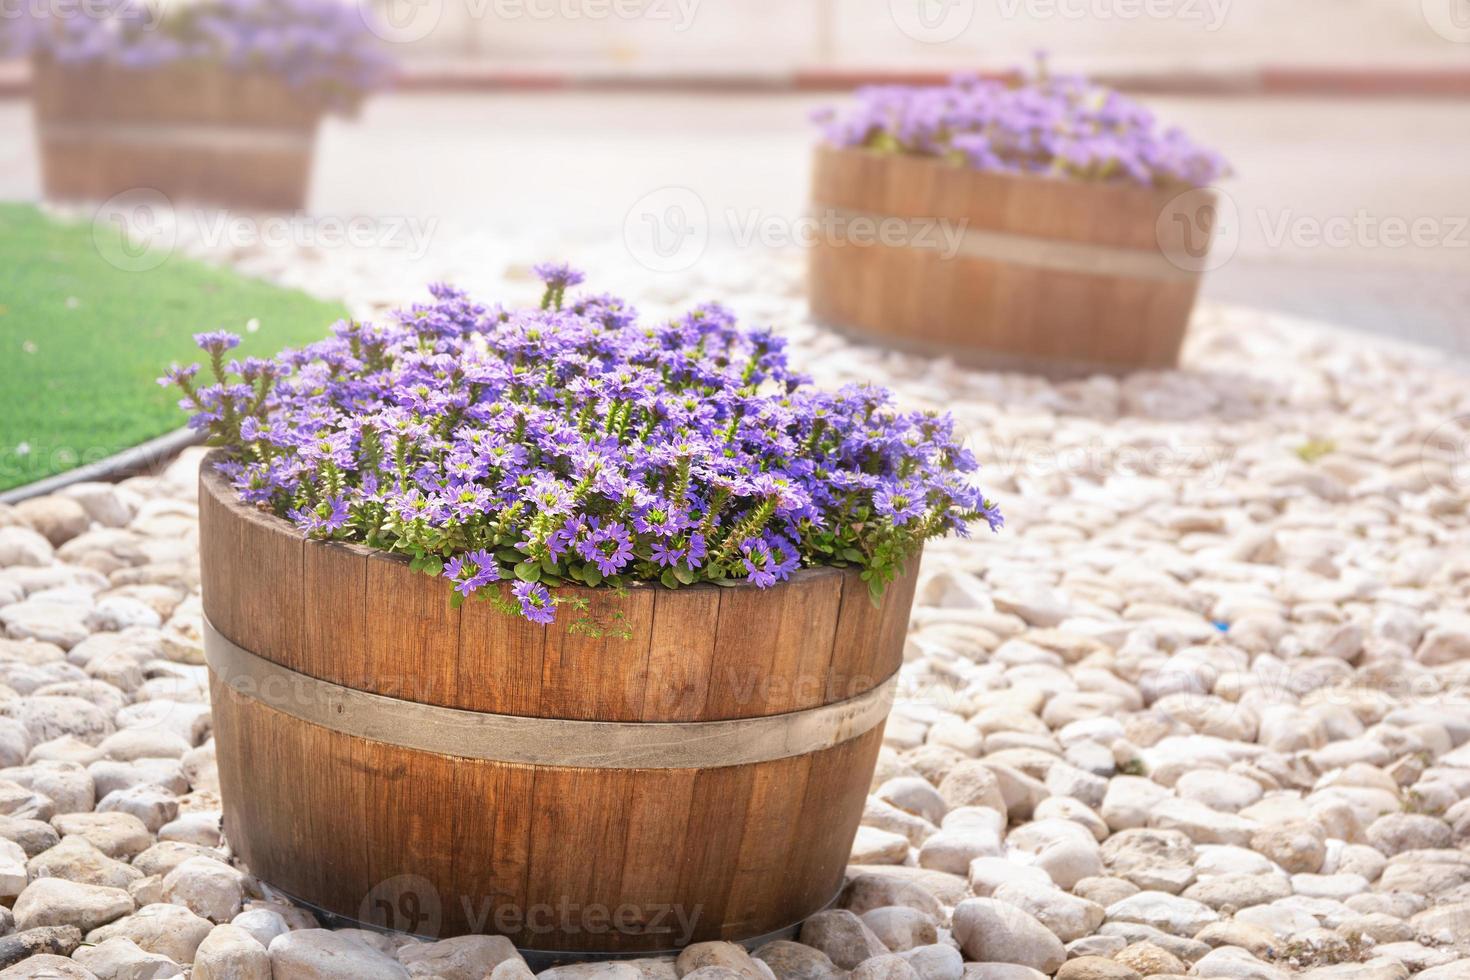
(147, 457)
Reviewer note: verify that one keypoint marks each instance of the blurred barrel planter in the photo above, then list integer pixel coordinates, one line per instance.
(1035, 221)
(194, 131)
(387, 758)
(1009, 271)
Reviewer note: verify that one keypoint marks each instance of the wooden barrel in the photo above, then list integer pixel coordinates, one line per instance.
(1001, 271)
(392, 760)
(195, 132)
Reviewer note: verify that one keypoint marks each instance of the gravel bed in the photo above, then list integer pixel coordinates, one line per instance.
(1202, 709)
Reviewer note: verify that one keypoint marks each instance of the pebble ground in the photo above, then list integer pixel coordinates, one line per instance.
(1202, 709)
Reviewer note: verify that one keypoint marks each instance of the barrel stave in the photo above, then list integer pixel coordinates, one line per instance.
(1064, 277)
(441, 844)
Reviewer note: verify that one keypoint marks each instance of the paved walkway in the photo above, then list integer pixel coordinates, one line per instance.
(1323, 186)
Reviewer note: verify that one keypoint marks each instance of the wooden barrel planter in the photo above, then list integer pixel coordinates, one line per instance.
(1055, 276)
(195, 132)
(388, 759)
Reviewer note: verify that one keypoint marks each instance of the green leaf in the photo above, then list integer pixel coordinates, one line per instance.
(528, 571)
(591, 575)
(685, 575)
(875, 591)
(549, 566)
(456, 599)
(668, 579)
(510, 556)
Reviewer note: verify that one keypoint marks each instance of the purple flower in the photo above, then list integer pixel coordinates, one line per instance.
(327, 517)
(178, 375)
(609, 548)
(335, 519)
(535, 600)
(557, 275)
(472, 571)
(324, 49)
(659, 519)
(697, 550)
(306, 519)
(586, 443)
(759, 564)
(666, 555)
(564, 537)
(899, 503)
(216, 341)
(1049, 125)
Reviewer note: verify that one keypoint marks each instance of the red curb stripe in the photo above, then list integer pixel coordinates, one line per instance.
(1348, 82)
(1365, 81)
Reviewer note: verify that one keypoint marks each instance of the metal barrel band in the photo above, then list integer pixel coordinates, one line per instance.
(543, 741)
(177, 136)
(1024, 250)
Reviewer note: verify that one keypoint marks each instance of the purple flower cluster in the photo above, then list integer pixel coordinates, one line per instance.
(1050, 125)
(323, 47)
(574, 444)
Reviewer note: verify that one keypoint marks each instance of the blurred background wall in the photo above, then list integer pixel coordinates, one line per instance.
(750, 36)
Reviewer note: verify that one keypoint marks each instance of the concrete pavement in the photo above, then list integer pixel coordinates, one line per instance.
(1350, 211)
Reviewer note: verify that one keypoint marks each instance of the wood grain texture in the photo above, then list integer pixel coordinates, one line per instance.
(997, 310)
(412, 644)
(499, 662)
(604, 677)
(556, 857)
(334, 611)
(218, 136)
(361, 619)
(681, 654)
(244, 549)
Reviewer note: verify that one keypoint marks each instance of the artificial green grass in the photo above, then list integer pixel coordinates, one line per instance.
(82, 340)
